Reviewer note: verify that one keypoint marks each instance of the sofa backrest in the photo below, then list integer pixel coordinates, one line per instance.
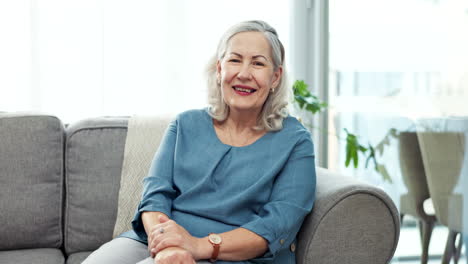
(93, 163)
(31, 181)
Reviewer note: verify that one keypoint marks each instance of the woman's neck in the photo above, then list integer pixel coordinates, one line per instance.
(239, 122)
(238, 129)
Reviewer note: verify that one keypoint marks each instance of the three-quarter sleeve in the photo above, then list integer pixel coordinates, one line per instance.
(158, 191)
(292, 198)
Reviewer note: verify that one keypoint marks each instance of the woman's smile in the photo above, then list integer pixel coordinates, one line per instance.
(244, 90)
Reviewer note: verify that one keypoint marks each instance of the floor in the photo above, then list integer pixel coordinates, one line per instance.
(409, 245)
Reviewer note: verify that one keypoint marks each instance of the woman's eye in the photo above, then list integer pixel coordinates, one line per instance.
(234, 60)
(258, 63)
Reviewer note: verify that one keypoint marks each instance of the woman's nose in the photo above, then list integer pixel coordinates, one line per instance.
(244, 72)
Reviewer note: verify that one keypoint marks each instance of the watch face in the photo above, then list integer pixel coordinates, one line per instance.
(215, 239)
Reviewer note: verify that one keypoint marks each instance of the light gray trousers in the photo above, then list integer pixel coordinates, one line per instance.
(122, 250)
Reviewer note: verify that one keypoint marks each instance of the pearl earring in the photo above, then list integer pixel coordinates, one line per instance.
(272, 90)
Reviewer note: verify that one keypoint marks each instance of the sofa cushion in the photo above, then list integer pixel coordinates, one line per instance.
(31, 181)
(144, 135)
(78, 258)
(93, 164)
(36, 256)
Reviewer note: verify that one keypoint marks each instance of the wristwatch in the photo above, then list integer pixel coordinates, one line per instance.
(216, 241)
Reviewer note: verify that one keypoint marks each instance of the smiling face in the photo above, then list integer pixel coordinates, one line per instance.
(246, 73)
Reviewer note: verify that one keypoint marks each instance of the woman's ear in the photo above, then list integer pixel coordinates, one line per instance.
(277, 75)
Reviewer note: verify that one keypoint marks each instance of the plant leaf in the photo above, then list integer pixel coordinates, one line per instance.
(348, 155)
(306, 100)
(371, 156)
(380, 168)
(355, 158)
(380, 148)
(394, 133)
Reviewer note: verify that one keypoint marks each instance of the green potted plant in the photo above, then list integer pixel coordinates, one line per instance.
(354, 148)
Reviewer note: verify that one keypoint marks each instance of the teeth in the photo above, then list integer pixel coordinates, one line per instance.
(243, 90)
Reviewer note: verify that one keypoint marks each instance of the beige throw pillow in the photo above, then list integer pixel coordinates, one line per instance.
(143, 137)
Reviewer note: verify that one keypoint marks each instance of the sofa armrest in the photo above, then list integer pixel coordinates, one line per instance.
(351, 222)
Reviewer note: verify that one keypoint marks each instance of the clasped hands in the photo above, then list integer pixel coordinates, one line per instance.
(170, 243)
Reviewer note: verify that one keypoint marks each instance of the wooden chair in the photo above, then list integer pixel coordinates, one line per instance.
(443, 155)
(414, 177)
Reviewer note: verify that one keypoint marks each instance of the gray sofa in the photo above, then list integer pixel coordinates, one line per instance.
(59, 191)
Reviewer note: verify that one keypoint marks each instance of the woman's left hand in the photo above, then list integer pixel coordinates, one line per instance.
(169, 234)
(174, 255)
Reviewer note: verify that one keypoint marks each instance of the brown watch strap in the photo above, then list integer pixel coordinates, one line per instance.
(214, 256)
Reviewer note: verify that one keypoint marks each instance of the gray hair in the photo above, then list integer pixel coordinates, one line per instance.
(275, 107)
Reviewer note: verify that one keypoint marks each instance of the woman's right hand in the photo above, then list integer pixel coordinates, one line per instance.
(170, 234)
(150, 222)
(174, 255)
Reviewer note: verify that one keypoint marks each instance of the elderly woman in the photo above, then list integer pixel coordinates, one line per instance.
(231, 183)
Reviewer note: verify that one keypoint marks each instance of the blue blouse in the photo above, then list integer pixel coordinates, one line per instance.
(206, 186)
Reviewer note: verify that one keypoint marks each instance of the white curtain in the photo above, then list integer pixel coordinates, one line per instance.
(78, 59)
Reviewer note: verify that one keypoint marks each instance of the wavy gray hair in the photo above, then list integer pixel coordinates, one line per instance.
(275, 107)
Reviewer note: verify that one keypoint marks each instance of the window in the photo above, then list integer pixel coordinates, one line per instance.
(396, 64)
(78, 59)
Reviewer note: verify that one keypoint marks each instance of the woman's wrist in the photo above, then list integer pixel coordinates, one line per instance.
(150, 219)
(204, 248)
